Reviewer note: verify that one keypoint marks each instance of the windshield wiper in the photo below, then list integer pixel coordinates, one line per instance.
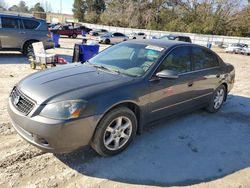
(105, 68)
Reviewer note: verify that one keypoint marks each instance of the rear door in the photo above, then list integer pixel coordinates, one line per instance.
(207, 73)
(10, 32)
(28, 30)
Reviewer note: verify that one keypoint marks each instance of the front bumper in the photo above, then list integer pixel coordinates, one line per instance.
(50, 135)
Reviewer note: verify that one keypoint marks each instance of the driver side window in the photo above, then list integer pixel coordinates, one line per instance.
(179, 60)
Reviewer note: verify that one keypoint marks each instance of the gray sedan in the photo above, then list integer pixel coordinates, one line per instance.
(113, 38)
(109, 99)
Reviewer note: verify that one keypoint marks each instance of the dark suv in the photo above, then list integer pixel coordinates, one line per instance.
(19, 32)
(177, 38)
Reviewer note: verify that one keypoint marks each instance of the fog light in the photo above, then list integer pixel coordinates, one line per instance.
(41, 141)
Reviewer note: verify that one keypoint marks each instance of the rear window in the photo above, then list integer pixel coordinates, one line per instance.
(9, 23)
(30, 24)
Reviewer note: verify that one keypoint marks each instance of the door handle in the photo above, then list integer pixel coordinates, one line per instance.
(22, 32)
(190, 84)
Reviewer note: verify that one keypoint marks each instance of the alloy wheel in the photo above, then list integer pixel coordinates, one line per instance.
(219, 98)
(117, 133)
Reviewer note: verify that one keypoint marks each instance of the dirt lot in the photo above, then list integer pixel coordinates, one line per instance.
(197, 150)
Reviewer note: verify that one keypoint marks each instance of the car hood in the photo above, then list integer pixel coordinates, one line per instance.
(46, 86)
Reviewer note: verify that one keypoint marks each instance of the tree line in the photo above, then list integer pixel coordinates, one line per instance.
(22, 7)
(218, 17)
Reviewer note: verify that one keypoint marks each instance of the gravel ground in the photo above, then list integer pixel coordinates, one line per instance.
(195, 150)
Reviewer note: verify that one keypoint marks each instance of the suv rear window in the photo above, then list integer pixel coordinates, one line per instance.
(9, 23)
(30, 24)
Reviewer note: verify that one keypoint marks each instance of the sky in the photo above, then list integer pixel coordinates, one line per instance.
(55, 4)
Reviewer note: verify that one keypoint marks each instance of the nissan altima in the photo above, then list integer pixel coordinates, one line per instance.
(104, 102)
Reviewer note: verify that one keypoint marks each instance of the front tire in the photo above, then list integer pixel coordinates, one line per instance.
(74, 36)
(115, 132)
(218, 99)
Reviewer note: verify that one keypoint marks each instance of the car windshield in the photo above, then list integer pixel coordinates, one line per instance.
(128, 58)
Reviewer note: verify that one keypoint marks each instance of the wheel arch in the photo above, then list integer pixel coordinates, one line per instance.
(27, 41)
(130, 105)
(226, 86)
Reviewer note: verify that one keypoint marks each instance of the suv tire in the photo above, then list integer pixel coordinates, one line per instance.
(28, 49)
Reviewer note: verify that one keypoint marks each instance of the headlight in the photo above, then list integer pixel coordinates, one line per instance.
(64, 110)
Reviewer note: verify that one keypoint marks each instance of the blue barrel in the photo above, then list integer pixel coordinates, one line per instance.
(55, 38)
(88, 51)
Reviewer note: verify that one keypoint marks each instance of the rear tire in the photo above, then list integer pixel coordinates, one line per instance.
(218, 99)
(28, 49)
(114, 132)
(74, 36)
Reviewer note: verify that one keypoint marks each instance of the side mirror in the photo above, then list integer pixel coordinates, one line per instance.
(167, 74)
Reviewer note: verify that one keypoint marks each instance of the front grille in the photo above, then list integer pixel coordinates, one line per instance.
(21, 102)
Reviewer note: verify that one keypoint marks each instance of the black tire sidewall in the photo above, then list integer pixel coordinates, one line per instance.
(25, 49)
(97, 141)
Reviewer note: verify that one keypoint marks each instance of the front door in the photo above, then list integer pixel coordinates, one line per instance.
(169, 96)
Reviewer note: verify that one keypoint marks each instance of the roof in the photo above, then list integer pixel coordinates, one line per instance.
(20, 15)
(160, 43)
